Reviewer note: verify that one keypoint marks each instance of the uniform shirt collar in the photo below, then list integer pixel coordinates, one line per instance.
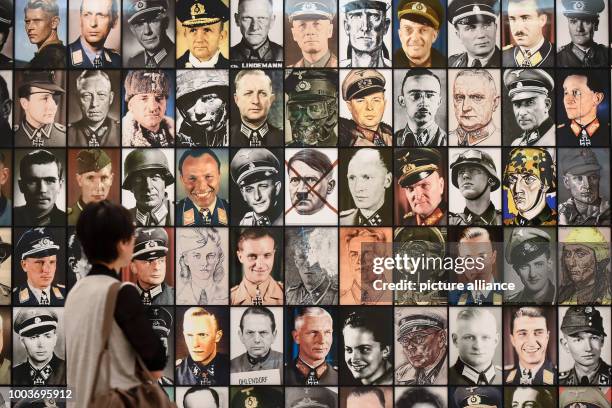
(153, 292)
(534, 49)
(474, 137)
(157, 215)
(157, 57)
(422, 136)
(487, 216)
(196, 63)
(38, 292)
(90, 54)
(256, 53)
(321, 63)
(473, 374)
(246, 130)
(31, 131)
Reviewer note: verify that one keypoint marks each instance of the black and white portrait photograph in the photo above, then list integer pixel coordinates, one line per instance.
(365, 178)
(582, 33)
(311, 266)
(323, 397)
(474, 34)
(462, 397)
(162, 321)
(365, 113)
(365, 33)
(148, 185)
(546, 396)
(149, 41)
(419, 107)
(411, 397)
(256, 192)
(370, 396)
(94, 108)
(202, 108)
(78, 265)
(528, 109)
(474, 96)
(258, 102)
(38, 347)
(40, 199)
(474, 188)
(256, 345)
(202, 270)
(256, 31)
(311, 115)
(198, 396)
(311, 187)
(584, 355)
(475, 352)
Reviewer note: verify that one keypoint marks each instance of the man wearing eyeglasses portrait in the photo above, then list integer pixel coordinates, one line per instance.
(424, 344)
(40, 181)
(39, 98)
(421, 97)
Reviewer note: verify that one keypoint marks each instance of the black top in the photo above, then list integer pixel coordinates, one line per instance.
(131, 317)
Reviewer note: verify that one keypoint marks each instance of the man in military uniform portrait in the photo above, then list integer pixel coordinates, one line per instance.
(530, 254)
(313, 336)
(536, 397)
(475, 175)
(526, 22)
(306, 397)
(257, 396)
(310, 262)
(149, 266)
(424, 344)
(421, 179)
(41, 24)
(257, 174)
(203, 28)
(77, 261)
(311, 182)
(529, 336)
(530, 92)
(475, 335)
(256, 252)
(94, 176)
(40, 96)
(255, 20)
(202, 266)
(6, 24)
(418, 29)
(40, 182)
(312, 27)
(581, 178)
(37, 253)
(204, 364)
(584, 277)
(257, 331)
(475, 24)
(475, 101)
(363, 91)
(312, 108)
(366, 25)
(421, 98)
(466, 397)
(583, 396)
(474, 243)
(6, 204)
(148, 21)
(367, 337)
(371, 397)
(413, 397)
(369, 177)
(583, 94)
(95, 95)
(202, 98)
(97, 19)
(37, 331)
(529, 179)
(146, 175)
(163, 326)
(146, 123)
(200, 171)
(582, 22)
(254, 96)
(583, 337)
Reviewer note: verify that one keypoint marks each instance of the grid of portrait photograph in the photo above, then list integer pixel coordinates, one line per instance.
(275, 154)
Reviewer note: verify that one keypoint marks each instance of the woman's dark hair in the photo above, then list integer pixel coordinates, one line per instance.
(101, 226)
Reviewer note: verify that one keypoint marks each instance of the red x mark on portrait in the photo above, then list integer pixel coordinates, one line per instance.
(312, 187)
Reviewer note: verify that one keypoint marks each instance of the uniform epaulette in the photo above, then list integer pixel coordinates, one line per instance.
(59, 126)
(508, 47)
(347, 212)
(24, 295)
